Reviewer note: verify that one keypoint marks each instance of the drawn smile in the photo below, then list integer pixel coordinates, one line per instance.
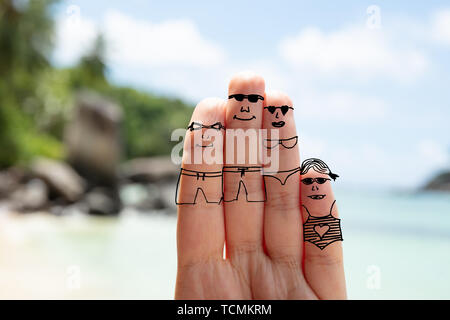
(278, 124)
(207, 146)
(317, 196)
(243, 119)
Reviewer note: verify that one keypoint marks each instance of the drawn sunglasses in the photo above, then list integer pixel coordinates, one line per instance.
(197, 126)
(284, 109)
(249, 97)
(309, 181)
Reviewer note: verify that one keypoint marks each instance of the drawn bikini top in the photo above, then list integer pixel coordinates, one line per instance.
(312, 218)
(288, 143)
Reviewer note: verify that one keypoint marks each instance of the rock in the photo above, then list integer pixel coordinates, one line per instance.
(60, 177)
(441, 182)
(102, 201)
(92, 139)
(149, 170)
(167, 191)
(10, 180)
(31, 196)
(78, 208)
(142, 197)
(6, 206)
(132, 195)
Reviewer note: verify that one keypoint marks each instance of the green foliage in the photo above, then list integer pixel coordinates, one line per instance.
(20, 141)
(149, 121)
(25, 41)
(36, 98)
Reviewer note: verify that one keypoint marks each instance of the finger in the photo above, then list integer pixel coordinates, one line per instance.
(200, 230)
(282, 219)
(243, 183)
(324, 268)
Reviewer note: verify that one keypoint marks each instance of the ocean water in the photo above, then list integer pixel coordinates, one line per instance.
(396, 246)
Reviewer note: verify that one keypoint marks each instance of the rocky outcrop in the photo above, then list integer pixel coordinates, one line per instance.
(92, 180)
(10, 180)
(92, 139)
(440, 182)
(62, 180)
(53, 186)
(149, 170)
(102, 201)
(93, 145)
(149, 183)
(31, 196)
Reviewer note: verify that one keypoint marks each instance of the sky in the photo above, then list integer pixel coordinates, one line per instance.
(369, 80)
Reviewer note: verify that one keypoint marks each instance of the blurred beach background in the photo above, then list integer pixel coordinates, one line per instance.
(90, 93)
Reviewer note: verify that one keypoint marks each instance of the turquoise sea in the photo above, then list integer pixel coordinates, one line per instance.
(396, 246)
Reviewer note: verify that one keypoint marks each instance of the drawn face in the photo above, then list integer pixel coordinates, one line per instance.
(277, 114)
(208, 133)
(316, 191)
(315, 185)
(247, 102)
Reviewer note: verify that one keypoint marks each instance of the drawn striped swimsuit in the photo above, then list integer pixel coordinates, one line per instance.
(322, 231)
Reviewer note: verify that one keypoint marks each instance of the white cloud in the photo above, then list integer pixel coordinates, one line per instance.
(433, 153)
(354, 51)
(137, 43)
(343, 106)
(74, 36)
(145, 44)
(441, 26)
(312, 146)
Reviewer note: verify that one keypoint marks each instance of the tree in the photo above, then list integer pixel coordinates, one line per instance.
(25, 44)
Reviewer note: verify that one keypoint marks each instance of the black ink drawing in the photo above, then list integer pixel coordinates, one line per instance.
(319, 166)
(281, 176)
(198, 180)
(243, 119)
(238, 176)
(322, 231)
(253, 98)
(283, 109)
(286, 143)
(198, 126)
(319, 230)
(273, 109)
(250, 97)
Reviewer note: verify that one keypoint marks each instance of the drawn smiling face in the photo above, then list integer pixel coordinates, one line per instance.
(277, 114)
(315, 185)
(248, 102)
(207, 141)
(316, 191)
(246, 95)
(208, 133)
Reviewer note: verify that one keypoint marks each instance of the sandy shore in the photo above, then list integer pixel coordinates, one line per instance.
(80, 256)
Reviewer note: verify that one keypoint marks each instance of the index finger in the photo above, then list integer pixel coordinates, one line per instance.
(201, 231)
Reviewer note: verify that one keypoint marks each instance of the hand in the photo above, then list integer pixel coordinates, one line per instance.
(259, 220)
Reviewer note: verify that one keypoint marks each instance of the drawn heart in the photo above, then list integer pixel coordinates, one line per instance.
(321, 229)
